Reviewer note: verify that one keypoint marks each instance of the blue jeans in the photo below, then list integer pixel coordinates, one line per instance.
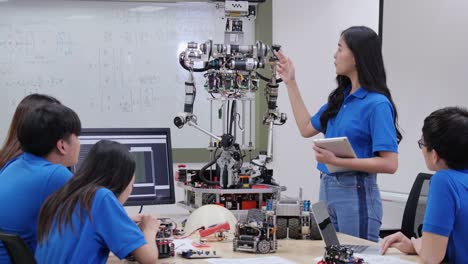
(354, 203)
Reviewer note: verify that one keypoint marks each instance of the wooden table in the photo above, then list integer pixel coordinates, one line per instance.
(300, 251)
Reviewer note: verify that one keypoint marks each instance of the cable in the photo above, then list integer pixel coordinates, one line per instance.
(201, 174)
(256, 164)
(193, 232)
(267, 79)
(215, 152)
(227, 119)
(238, 122)
(232, 116)
(182, 63)
(141, 209)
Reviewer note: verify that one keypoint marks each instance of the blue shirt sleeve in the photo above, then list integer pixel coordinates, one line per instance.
(113, 225)
(315, 119)
(441, 206)
(382, 128)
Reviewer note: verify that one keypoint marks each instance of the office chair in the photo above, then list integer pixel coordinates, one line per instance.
(18, 251)
(413, 216)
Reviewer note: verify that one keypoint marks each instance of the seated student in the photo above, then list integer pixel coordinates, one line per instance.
(48, 137)
(444, 145)
(11, 148)
(85, 219)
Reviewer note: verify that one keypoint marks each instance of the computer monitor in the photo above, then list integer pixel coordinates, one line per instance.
(151, 147)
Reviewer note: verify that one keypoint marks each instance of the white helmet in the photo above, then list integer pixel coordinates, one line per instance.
(209, 215)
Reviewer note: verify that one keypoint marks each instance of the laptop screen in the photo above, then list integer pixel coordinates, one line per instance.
(322, 218)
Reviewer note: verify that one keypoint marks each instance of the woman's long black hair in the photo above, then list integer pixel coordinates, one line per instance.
(108, 164)
(11, 148)
(366, 47)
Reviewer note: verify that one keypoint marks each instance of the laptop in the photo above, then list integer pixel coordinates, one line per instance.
(328, 232)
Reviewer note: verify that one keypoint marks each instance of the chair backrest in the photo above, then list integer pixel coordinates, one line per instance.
(415, 208)
(18, 251)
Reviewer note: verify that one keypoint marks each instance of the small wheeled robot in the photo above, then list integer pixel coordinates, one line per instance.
(257, 234)
(339, 255)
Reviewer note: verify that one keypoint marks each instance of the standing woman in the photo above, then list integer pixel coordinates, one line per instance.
(11, 148)
(360, 108)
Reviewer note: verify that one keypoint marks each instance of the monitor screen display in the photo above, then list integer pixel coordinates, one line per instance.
(151, 148)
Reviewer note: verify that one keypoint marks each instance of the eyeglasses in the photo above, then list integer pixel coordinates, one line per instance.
(421, 143)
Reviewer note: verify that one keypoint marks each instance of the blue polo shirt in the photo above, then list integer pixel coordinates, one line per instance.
(367, 119)
(109, 230)
(25, 184)
(447, 211)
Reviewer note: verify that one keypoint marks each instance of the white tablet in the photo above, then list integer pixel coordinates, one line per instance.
(340, 146)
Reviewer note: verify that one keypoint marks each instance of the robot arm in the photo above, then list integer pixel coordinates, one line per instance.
(190, 93)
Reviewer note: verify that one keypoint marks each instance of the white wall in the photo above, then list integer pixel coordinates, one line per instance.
(424, 47)
(308, 31)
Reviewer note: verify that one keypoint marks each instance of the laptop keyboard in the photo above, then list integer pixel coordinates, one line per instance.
(357, 248)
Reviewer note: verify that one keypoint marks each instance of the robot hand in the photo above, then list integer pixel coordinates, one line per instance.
(182, 118)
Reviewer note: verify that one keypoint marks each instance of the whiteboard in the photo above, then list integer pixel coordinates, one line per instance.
(114, 63)
(424, 47)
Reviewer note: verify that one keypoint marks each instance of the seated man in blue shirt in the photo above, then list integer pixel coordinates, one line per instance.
(444, 146)
(49, 138)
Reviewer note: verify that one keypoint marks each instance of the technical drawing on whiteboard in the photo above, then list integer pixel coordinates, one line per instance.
(112, 62)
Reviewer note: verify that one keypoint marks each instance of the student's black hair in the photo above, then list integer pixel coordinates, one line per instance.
(446, 131)
(11, 148)
(108, 165)
(41, 128)
(366, 47)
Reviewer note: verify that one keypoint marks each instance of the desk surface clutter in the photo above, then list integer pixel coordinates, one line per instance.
(289, 250)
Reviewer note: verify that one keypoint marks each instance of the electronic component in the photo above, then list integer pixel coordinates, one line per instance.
(198, 254)
(218, 230)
